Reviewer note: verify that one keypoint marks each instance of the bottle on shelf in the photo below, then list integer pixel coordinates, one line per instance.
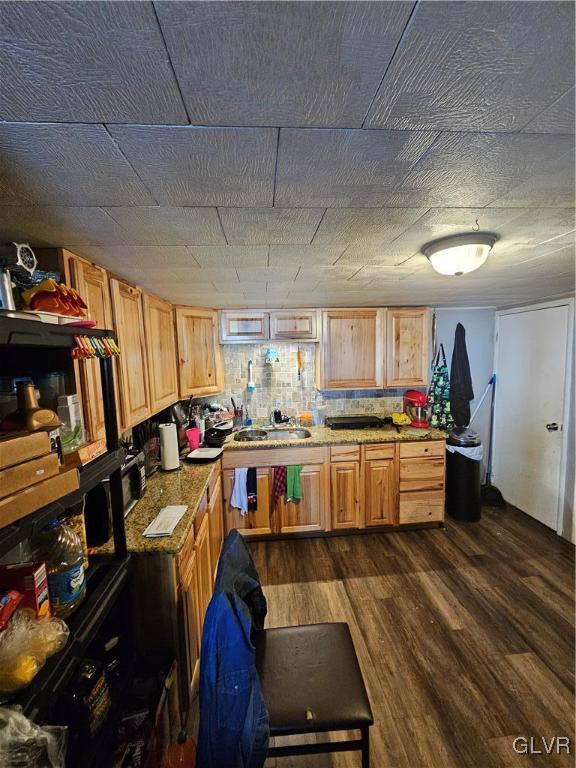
(61, 549)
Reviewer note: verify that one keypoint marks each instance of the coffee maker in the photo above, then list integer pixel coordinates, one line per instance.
(416, 407)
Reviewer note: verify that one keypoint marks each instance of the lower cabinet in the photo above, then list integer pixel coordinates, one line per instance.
(216, 520)
(422, 469)
(189, 628)
(204, 578)
(380, 492)
(254, 523)
(308, 514)
(345, 494)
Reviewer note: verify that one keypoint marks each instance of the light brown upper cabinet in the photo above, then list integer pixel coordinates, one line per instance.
(161, 349)
(294, 324)
(133, 387)
(250, 325)
(407, 347)
(91, 282)
(351, 355)
(200, 359)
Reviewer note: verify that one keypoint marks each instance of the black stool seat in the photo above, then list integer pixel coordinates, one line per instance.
(311, 680)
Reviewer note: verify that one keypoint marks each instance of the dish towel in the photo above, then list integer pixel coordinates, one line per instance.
(294, 483)
(239, 498)
(252, 490)
(279, 486)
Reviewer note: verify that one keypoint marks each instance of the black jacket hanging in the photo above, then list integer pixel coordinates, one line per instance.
(461, 391)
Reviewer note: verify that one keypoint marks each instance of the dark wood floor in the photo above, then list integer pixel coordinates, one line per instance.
(465, 635)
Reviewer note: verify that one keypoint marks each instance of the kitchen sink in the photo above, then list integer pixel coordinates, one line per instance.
(288, 434)
(251, 435)
(256, 435)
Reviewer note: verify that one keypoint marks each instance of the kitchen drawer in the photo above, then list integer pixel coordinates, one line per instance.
(201, 512)
(345, 453)
(378, 451)
(422, 449)
(421, 507)
(421, 474)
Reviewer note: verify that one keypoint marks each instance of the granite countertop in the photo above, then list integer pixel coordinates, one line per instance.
(183, 486)
(325, 436)
(187, 485)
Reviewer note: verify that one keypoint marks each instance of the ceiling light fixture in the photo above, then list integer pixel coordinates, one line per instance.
(459, 254)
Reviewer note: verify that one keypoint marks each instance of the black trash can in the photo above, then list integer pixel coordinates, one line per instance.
(463, 477)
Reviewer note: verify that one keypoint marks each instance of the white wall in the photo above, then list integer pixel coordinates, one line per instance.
(479, 326)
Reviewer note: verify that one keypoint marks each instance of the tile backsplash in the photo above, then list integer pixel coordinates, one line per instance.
(278, 386)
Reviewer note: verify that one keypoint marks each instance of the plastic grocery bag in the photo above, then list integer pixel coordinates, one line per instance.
(24, 646)
(23, 744)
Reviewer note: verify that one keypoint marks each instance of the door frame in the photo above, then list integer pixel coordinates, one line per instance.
(567, 302)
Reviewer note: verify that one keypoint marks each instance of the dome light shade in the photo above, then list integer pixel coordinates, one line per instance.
(459, 254)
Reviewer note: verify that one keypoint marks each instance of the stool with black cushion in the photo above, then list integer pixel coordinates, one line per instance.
(311, 683)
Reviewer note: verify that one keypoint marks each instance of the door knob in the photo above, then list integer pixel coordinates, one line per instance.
(553, 427)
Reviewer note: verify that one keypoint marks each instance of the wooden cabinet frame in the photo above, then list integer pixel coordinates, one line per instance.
(352, 341)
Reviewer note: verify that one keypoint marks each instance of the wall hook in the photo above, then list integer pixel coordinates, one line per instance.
(475, 226)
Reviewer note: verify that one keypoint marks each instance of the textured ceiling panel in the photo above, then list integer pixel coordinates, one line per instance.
(489, 66)
(54, 225)
(364, 225)
(146, 258)
(304, 255)
(267, 274)
(260, 226)
(76, 165)
(345, 168)
(473, 169)
(230, 255)
(188, 165)
(554, 188)
(85, 63)
(281, 63)
(170, 225)
(557, 118)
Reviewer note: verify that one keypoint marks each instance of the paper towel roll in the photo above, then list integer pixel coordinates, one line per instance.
(169, 447)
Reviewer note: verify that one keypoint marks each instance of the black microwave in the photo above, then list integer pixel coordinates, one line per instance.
(98, 510)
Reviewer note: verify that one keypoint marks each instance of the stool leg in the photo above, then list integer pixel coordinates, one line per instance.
(365, 747)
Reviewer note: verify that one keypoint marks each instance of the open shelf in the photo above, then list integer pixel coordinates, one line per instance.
(106, 578)
(90, 475)
(33, 333)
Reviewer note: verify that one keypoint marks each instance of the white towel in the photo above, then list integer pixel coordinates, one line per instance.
(239, 498)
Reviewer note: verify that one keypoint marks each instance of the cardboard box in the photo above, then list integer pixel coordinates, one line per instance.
(20, 504)
(23, 446)
(28, 473)
(31, 580)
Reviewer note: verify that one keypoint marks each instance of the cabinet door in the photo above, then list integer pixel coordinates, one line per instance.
(92, 284)
(252, 523)
(407, 347)
(215, 517)
(204, 571)
(161, 349)
(345, 494)
(244, 326)
(200, 361)
(189, 628)
(134, 392)
(308, 514)
(352, 349)
(294, 324)
(380, 492)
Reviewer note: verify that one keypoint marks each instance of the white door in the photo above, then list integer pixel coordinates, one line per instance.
(531, 362)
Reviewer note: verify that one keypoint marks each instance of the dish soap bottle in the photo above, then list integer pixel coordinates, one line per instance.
(61, 549)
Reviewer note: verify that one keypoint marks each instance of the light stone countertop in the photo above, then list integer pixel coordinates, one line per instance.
(187, 485)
